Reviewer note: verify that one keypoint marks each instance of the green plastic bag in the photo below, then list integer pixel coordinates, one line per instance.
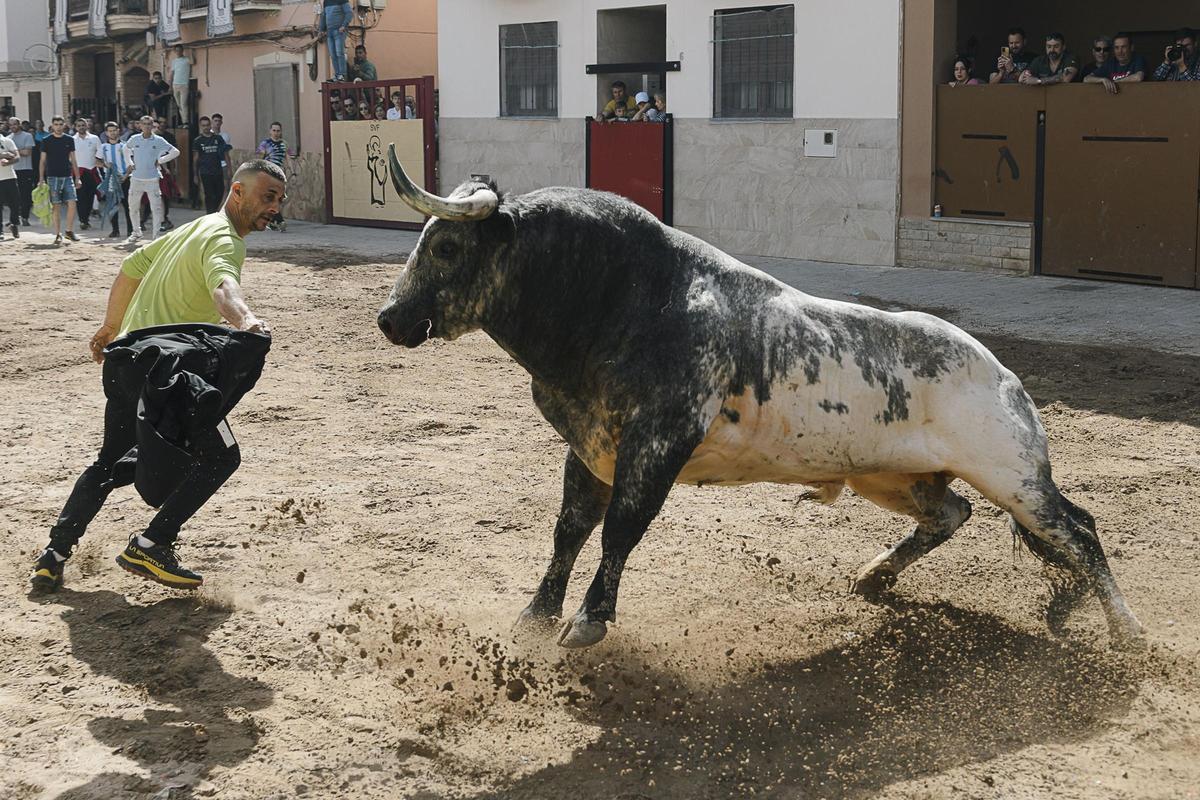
(41, 204)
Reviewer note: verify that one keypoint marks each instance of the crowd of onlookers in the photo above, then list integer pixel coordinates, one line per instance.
(88, 171)
(1114, 61)
(351, 105)
(639, 108)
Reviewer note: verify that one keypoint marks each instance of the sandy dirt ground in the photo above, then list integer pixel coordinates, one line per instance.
(393, 514)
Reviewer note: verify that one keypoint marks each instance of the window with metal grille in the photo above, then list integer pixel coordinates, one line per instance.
(753, 55)
(529, 70)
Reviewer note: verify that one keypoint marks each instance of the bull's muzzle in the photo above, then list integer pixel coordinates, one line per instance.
(409, 336)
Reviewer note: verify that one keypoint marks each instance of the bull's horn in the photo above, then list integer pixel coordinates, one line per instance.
(479, 205)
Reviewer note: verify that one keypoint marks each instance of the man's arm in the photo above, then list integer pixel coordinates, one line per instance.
(170, 155)
(119, 296)
(229, 302)
(75, 170)
(1136, 77)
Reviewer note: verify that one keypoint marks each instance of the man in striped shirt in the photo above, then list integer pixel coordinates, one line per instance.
(116, 180)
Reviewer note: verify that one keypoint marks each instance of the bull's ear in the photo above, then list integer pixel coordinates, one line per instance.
(501, 226)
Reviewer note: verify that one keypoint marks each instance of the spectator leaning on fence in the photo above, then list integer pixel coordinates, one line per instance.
(1124, 67)
(1056, 66)
(1101, 52)
(962, 73)
(619, 97)
(1013, 60)
(1181, 61)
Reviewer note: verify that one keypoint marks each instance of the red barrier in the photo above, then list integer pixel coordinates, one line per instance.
(632, 159)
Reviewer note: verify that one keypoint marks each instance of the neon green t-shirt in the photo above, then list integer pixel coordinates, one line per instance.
(179, 270)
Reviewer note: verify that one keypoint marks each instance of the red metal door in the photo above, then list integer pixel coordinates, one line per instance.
(632, 159)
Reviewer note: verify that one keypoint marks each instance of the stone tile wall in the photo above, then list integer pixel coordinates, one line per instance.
(746, 187)
(305, 191)
(966, 244)
(520, 155)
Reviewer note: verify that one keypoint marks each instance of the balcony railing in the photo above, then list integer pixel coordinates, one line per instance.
(78, 9)
(193, 5)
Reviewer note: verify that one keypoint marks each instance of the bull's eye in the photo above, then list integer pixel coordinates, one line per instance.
(446, 249)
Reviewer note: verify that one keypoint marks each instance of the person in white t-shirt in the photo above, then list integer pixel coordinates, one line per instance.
(87, 144)
(397, 109)
(9, 196)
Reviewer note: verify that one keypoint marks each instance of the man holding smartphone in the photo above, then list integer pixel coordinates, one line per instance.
(1013, 59)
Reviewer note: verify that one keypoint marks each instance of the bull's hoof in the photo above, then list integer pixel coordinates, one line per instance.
(582, 632)
(536, 620)
(874, 581)
(1128, 635)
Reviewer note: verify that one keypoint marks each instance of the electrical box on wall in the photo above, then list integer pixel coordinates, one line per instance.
(820, 144)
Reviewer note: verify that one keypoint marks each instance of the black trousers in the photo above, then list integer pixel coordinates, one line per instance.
(215, 462)
(25, 184)
(10, 196)
(116, 221)
(214, 191)
(87, 194)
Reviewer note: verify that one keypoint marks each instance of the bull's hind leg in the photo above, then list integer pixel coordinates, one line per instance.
(1064, 537)
(585, 498)
(926, 498)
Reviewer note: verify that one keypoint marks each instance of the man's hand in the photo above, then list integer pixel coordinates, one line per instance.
(1110, 86)
(253, 324)
(1029, 79)
(101, 340)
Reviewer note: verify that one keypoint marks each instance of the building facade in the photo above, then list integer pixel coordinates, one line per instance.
(29, 84)
(746, 84)
(270, 68)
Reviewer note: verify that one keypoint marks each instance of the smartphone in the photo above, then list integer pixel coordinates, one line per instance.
(1004, 51)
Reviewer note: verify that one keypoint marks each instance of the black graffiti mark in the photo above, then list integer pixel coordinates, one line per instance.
(941, 174)
(378, 169)
(1007, 156)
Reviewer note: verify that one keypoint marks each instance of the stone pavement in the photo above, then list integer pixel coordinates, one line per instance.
(1038, 309)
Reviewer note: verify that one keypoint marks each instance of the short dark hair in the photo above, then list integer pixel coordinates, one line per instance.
(203, 118)
(362, 47)
(218, 116)
(276, 122)
(111, 124)
(1185, 33)
(1056, 37)
(156, 72)
(1123, 35)
(259, 165)
(57, 118)
(618, 84)
(1017, 32)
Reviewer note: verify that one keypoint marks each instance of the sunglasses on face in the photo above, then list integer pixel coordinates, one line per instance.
(1102, 49)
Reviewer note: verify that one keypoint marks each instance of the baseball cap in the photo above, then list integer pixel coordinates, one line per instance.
(642, 97)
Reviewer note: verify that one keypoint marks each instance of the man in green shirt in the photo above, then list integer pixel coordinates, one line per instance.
(191, 274)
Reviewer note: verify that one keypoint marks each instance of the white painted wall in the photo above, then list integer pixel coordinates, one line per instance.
(23, 23)
(846, 66)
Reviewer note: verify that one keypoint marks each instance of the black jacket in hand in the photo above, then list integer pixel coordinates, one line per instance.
(186, 378)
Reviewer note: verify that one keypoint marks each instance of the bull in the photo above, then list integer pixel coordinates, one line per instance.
(660, 359)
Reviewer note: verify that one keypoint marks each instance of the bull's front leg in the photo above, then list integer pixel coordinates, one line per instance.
(585, 498)
(649, 459)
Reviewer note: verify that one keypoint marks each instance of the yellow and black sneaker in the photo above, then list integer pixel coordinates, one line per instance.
(158, 563)
(47, 573)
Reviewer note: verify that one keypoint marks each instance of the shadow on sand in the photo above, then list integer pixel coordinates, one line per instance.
(160, 648)
(934, 687)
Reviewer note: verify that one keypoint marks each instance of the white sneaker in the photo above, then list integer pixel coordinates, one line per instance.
(133, 238)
